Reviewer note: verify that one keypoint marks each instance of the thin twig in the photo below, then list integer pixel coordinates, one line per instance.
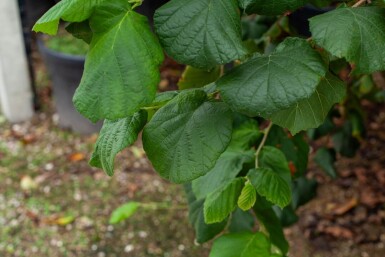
(265, 134)
(359, 3)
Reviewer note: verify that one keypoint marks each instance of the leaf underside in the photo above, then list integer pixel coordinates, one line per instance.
(114, 137)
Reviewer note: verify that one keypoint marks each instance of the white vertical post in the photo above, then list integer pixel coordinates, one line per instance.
(15, 85)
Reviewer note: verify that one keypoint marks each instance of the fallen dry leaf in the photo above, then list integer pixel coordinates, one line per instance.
(371, 198)
(342, 209)
(76, 157)
(55, 219)
(65, 220)
(339, 232)
(27, 183)
(28, 139)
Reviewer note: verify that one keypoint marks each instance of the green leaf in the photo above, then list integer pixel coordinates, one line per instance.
(220, 203)
(248, 197)
(267, 217)
(81, 30)
(200, 33)
(344, 142)
(241, 245)
(273, 158)
(67, 10)
(196, 78)
(379, 2)
(203, 232)
(356, 34)
(241, 221)
(270, 185)
(321, 3)
(326, 158)
(271, 7)
(270, 83)
(311, 112)
(116, 135)
(287, 215)
(295, 148)
(124, 212)
(246, 135)
(303, 190)
(185, 137)
(164, 97)
(229, 164)
(121, 71)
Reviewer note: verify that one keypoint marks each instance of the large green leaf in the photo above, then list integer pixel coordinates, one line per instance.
(229, 164)
(220, 203)
(270, 83)
(270, 185)
(196, 78)
(200, 33)
(311, 112)
(121, 71)
(203, 232)
(67, 10)
(116, 135)
(241, 245)
(185, 137)
(271, 7)
(356, 34)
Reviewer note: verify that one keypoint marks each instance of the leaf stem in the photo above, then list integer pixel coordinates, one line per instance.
(265, 135)
(151, 107)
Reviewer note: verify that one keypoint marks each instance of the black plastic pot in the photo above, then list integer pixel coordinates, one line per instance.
(300, 18)
(66, 72)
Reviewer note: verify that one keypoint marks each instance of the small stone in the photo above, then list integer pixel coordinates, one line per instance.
(128, 248)
(49, 166)
(101, 254)
(143, 234)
